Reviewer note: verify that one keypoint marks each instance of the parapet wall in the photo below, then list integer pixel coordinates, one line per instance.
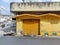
(35, 6)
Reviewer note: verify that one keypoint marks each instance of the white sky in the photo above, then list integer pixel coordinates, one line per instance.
(5, 3)
(55, 0)
(20, 0)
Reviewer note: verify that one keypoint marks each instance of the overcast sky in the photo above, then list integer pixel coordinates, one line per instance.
(5, 4)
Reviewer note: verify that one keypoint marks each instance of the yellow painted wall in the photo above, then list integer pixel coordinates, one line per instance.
(49, 24)
(19, 25)
(29, 27)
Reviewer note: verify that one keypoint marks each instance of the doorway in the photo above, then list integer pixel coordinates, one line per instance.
(31, 26)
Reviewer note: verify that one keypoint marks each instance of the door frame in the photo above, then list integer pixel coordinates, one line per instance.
(39, 27)
(38, 24)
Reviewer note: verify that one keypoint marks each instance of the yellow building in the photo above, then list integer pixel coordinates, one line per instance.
(37, 18)
(38, 24)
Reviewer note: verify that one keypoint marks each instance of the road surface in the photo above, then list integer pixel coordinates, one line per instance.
(12, 40)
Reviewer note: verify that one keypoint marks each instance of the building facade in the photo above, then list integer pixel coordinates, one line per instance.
(37, 18)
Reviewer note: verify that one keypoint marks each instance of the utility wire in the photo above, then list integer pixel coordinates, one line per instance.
(3, 10)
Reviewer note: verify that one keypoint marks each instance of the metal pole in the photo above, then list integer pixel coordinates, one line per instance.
(0, 11)
(30, 2)
(23, 1)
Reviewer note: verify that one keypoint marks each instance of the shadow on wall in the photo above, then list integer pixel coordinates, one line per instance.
(51, 19)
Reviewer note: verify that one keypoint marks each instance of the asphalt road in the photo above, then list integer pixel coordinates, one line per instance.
(11, 40)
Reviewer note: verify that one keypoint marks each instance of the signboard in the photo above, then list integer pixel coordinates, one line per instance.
(35, 6)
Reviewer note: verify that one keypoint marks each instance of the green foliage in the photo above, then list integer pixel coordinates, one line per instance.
(46, 33)
(54, 33)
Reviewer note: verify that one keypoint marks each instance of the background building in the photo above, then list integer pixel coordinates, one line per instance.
(7, 24)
